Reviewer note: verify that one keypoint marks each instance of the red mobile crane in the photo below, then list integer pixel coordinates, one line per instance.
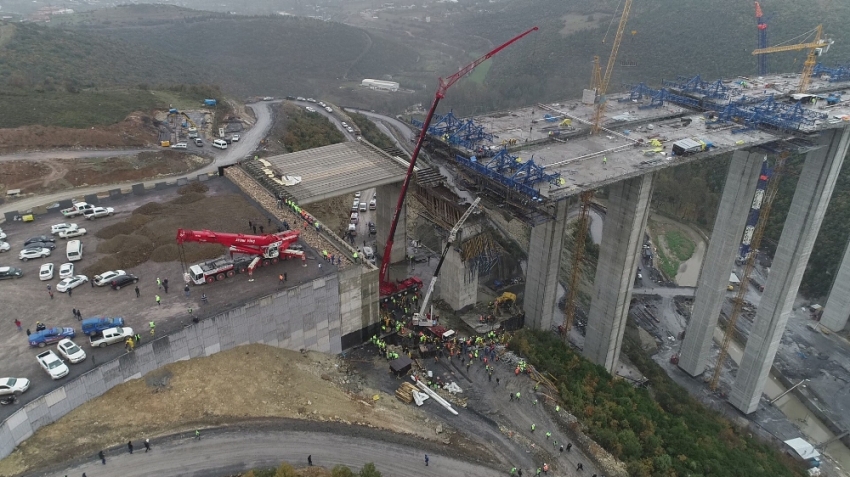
(261, 249)
(388, 288)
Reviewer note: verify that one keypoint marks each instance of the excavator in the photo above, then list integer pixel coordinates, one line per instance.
(261, 250)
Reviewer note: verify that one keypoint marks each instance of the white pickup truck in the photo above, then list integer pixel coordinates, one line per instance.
(98, 212)
(72, 232)
(78, 209)
(110, 336)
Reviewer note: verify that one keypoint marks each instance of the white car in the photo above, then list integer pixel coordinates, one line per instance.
(329, 109)
(4, 246)
(98, 212)
(29, 253)
(55, 229)
(2, 235)
(310, 110)
(311, 100)
(72, 232)
(106, 278)
(13, 385)
(344, 124)
(322, 104)
(357, 195)
(179, 145)
(234, 138)
(45, 272)
(66, 270)
(71, 351)
(71, 282)
(54, 366)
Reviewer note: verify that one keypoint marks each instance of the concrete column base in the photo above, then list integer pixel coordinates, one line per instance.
(619, 256)
(544, 260)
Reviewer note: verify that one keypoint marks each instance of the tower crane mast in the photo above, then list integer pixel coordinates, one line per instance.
(386, 287)
(602, 88)
(816, 48)
(761, 25)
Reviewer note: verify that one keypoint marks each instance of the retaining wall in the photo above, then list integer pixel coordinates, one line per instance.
(303, 317)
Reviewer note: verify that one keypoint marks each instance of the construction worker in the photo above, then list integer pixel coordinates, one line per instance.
(605, 161)
(513, 470)
(557, 408)
(538, 471)
(533, 427)
(152, 327)
(517, 395)
(548, 434)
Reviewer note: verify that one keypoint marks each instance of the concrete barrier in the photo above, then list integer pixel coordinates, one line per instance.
(138, 189)
(115, 193)
(182, 181)
(303, 317)
(91, 198)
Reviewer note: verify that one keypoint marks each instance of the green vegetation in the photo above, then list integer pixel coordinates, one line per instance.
(480, 73)
(660, 431)
(286, 470)
(370, 131)
(679, 244)
(305, 130)
(74, 110)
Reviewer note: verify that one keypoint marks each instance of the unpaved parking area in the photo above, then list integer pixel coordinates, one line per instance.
(27, 298)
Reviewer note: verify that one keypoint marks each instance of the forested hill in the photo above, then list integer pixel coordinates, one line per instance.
(663, 39)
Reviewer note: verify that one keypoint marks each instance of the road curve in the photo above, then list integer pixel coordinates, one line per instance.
(225, 454)
(236, 151)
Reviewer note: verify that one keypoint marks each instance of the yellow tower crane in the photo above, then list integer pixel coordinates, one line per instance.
(816, 48)
(603, 81)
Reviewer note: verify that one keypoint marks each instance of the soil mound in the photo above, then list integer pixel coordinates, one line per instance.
(198, 187)
(126, 227)
(151, 208)
(188, 198)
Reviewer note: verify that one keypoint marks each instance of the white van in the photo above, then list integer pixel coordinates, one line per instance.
(220, 143)
(74, 250)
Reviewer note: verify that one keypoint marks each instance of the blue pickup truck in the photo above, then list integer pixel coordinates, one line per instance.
(49, 336)
(91, 326)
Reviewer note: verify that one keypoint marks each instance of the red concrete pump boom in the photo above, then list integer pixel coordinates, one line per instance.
(387, 288)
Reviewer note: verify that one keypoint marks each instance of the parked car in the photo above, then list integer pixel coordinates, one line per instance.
(29, 253)
(329, 109)
(72, 232)
(122, 281)
(4, 246)
(106, 278)
(300, 98)
(311, 100)
(109, 336)
(50, 336)
(235, 138)
(310, 109)
(91, 326)
(71, 282)
(322, 104)
(55, 367)
(71, 351)
(13, 386)
(372, 229)
(66, 270)
(98, 212)
(2, 235)
(10, 272)
(55, 229)
(47, 245)
(373, 204)
(45, 272)
(39, 238)
(199, 142)
(179, 145)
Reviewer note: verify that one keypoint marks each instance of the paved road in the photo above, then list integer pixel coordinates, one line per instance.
(665, 291)
(399, 126)
(333, 118)
(233, 452)
(76, 154)
(236, 151)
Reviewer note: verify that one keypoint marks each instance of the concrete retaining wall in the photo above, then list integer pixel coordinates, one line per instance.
(307, 316)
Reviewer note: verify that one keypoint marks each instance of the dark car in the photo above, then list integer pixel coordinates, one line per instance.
(40, 238)
(10, 272)
(124, 280)
(290, 97)
(50, 335)
(48, 245)
(372, 229)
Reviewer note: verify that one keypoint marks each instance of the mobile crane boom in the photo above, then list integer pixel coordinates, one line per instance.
(452, 236)
(386, 287)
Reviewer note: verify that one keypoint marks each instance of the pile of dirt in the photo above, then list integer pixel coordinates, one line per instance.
(150, 232)
(202, 392)
(109, 262)
(198, 187)
(137, 130)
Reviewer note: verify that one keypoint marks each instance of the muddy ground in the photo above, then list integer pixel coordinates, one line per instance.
(42, 177)
(137, 130)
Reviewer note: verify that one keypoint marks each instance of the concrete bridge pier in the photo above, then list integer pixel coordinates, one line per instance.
(544, 260)
(459, 283)
(738, 192)
(837, 309)
(387, 199)
(808, 207)
(619, 255)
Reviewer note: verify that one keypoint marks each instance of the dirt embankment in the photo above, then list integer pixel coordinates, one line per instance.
(137, 130)
(236, 385)
(39, 177)
(150, 232)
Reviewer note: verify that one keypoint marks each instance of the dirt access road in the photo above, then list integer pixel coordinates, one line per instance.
(235, 152)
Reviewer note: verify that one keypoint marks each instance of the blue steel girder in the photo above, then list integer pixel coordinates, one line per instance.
(769, 112)
(664, 95)
(510, 183)
(838, 73)
(638, 92)
(532, 173)
(502, 161)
